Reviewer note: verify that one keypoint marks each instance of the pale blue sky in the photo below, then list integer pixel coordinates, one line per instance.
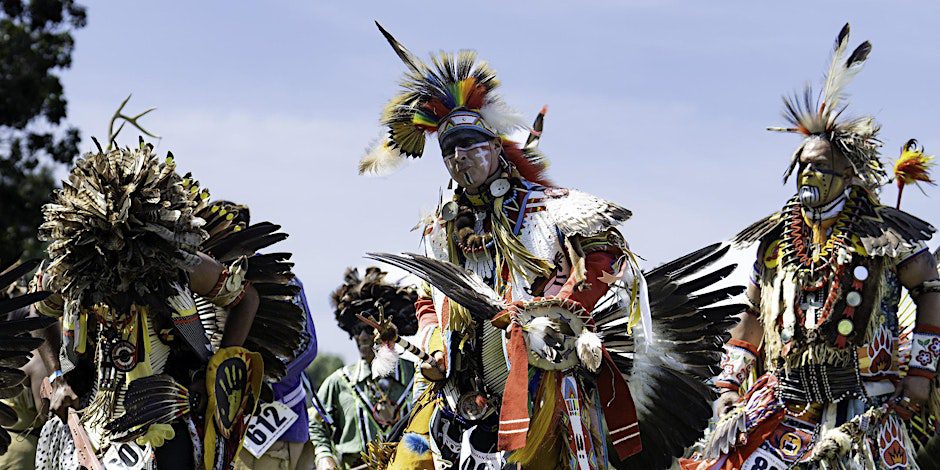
(658, 105)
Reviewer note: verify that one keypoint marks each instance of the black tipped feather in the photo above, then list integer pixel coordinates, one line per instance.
(458, 284)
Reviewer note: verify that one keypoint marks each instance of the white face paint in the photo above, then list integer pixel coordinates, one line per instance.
(471, 166)
(809, 195)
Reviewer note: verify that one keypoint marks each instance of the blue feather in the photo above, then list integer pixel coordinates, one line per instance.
(416, 443)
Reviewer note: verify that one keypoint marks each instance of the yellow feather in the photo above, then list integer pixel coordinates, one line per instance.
(540, 437)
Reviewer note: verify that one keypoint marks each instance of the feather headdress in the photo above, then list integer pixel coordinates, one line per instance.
(122, 227)
(370, 295)
(453, 91)
(821, 115)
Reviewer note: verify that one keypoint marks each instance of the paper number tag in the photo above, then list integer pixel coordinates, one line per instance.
(763, 459)
(127, 456)
(267, 426)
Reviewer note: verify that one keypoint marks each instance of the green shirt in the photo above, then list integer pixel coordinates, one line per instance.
(349, 397)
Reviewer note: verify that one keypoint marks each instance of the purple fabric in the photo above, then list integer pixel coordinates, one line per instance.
(292, 380)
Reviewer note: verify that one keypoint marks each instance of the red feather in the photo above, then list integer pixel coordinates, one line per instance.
(528, 170)
(476, 96)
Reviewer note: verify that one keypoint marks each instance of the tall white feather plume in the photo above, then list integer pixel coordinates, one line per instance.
(835, 78)
(589, 350)
(501, 117)
(385, 361)
(381, 159)
(841, 72)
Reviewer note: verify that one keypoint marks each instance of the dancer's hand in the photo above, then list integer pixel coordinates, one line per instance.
(912, 393)
(434, 374)
(725, 402)
(61, 399)
(916, 388)
(327, 463)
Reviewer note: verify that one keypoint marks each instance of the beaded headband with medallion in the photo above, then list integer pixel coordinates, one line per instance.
(453, 92)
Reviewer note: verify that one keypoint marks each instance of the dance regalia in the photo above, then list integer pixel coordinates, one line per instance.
(817, 389)
(16, 343)
(125, 230)
(555, 352)
(364, 403)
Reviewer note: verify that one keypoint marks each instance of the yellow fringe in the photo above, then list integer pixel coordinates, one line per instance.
(540, 436)
(636, 314)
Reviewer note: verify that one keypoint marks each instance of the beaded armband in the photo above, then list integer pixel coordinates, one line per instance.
(230, 288)
(736, 363)
(925, 351)
(925, 287)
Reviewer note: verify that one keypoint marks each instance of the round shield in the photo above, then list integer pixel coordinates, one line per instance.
(124, 356)
(551, 329)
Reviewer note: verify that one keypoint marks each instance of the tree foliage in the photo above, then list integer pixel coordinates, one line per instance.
(36, 44)
(321, 368)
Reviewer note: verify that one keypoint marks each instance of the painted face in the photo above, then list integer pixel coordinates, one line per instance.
(471, 158)
(822, 173)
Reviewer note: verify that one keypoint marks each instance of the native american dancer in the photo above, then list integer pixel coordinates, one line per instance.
(16, 346)
(823, 326)
(368, 400)
(170, 320)
(546, 372)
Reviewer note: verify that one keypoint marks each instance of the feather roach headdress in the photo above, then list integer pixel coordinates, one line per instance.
(454, 92)
(821, 115)
(371, 295)
(122, 228)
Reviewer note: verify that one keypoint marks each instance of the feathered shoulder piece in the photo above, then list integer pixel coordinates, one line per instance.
(452, 91)
(121, 229)
(887, 231)
(822, 115)
(370, 295)
(772, 225)
(578, 213)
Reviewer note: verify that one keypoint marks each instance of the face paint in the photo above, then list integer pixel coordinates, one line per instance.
(821, 178)
(819, 185)
(809, 195)
(472, 165)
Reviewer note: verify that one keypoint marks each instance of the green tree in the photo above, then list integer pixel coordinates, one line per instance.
(321, 368)
(36, 44)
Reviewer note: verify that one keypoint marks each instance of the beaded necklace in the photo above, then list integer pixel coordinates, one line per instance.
(815, 272)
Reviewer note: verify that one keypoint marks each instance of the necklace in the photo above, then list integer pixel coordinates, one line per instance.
(817, 272)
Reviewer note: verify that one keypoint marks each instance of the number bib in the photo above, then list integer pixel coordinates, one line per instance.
(764, 459)
(127, 456)
(266, 426)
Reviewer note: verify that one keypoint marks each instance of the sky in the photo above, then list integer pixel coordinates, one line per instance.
(660, 106)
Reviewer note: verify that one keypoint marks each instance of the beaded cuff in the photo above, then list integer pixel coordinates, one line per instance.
(925, 351)
(230, 288)
(736, 363)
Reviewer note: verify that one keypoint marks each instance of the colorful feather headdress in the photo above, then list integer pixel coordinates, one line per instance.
(821, 115)
(454, 92)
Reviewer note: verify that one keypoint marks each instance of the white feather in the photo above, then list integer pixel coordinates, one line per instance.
(834, 444)
(503, 119)
(589, 350)
(836, 77)
(381, 159)
(385, 361)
